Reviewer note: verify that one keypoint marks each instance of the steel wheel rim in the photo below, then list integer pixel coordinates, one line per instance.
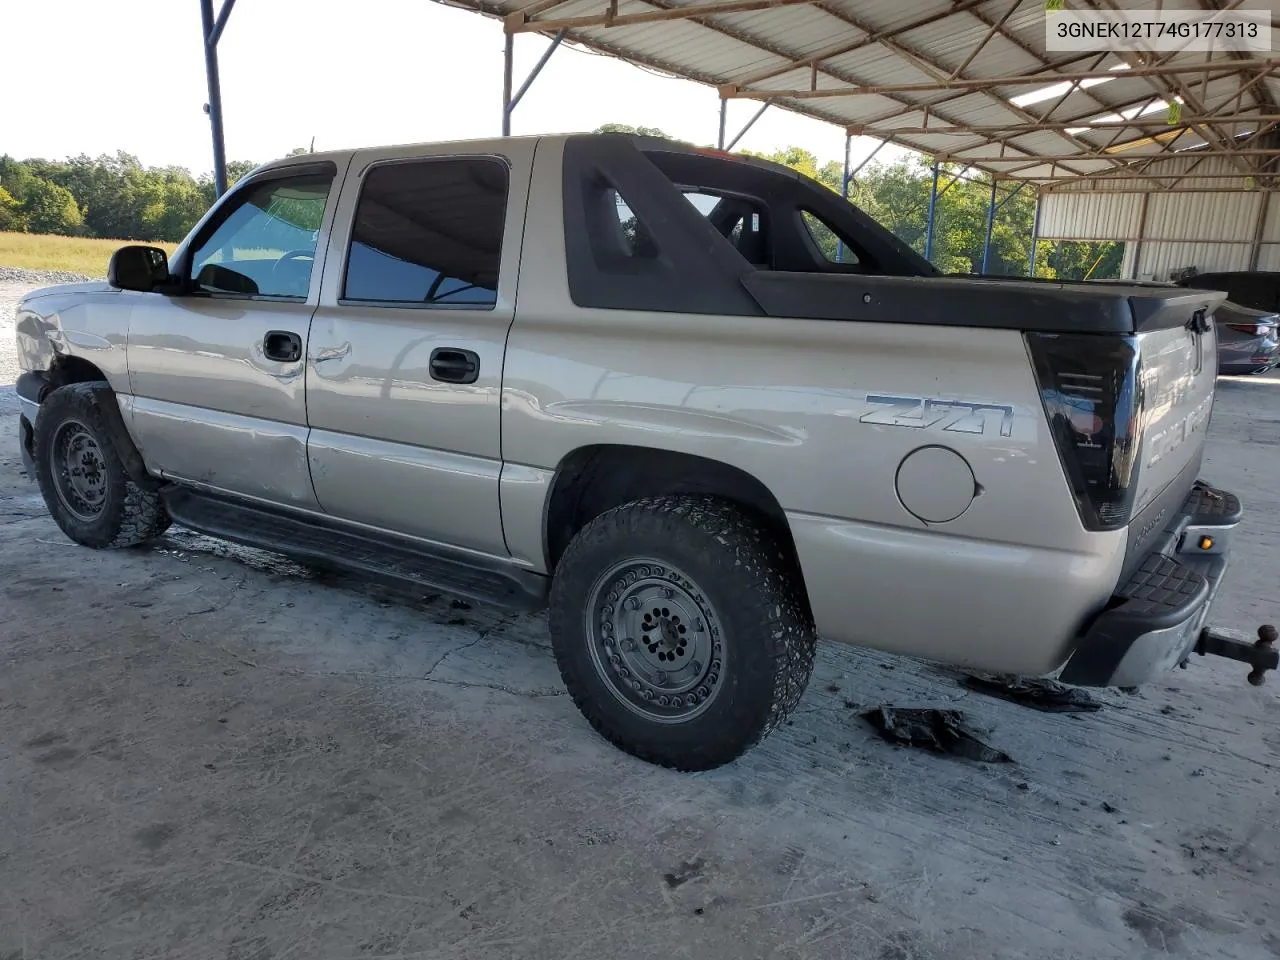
(79, 471)
(655, 640)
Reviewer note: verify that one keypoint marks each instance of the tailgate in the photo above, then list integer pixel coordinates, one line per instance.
(1128, 409)
(1179, 368)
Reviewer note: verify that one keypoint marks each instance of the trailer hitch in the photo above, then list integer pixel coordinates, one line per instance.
(1261, 654)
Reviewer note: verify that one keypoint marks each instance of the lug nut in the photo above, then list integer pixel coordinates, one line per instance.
(633, 603)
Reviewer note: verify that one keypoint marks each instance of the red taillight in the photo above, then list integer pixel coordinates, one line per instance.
(1092, 392)
(1252, 329)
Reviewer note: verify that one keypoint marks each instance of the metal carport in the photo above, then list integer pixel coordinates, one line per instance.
(966, 82)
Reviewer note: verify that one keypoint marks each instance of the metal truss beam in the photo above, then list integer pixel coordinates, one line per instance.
(520, 22)
(736, 92)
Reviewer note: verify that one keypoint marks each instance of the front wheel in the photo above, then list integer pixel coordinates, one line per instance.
(679, 629)
(84, 484)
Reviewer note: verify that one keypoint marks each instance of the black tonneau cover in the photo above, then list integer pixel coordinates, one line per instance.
(1006, 304)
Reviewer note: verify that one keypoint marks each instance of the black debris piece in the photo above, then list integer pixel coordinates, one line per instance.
(1039, 694)
(942, 731)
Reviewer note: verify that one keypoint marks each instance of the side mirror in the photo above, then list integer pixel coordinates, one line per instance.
(136, 267)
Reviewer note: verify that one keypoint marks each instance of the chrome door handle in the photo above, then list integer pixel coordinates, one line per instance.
(332, 353)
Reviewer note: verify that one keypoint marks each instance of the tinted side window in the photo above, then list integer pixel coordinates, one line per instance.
(633, 235)
(265, 245)
(829, 243)
(429, 232)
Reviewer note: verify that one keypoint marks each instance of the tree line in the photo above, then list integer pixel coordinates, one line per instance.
(106, 196)
(117, 197)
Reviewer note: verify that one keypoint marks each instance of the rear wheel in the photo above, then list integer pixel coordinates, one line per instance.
(84, 484)
(680, 631)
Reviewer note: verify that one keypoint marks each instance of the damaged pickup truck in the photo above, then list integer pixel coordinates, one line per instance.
(627, 380)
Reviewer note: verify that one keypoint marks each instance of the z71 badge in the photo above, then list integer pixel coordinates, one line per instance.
(954, 416)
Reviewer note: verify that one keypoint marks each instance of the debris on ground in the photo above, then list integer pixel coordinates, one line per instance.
(942, 731)
(1039, 694)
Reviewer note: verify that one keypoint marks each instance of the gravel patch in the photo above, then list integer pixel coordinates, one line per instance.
(15, 283)
(39, 278)
(10, 294)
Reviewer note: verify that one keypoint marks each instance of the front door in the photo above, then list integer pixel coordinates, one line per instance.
(217, 372)
(405, 371)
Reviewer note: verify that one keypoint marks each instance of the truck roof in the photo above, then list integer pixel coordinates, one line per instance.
(498, 144)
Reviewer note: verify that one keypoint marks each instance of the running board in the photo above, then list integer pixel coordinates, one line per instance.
(320, 539)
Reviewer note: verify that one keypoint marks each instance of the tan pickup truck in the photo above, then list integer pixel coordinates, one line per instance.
(696, 404)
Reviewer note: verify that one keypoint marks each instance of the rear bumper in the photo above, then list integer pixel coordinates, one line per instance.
(1154, 619)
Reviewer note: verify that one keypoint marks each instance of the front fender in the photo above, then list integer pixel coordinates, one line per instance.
(89, 324)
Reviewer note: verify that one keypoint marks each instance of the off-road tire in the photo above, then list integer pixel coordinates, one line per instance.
(129, 514)
(743, 572)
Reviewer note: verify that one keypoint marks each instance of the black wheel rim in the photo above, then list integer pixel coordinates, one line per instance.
(656, 640)
(79, 471)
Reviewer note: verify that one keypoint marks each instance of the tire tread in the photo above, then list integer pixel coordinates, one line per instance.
(761, 572)
(141, 514)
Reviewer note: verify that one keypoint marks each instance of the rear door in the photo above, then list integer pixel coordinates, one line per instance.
(404, 372)
(217, 371)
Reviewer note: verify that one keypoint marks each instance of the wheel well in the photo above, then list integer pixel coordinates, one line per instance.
(66, 370)
(594, 479)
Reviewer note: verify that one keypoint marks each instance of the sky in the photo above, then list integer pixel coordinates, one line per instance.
(129, 75)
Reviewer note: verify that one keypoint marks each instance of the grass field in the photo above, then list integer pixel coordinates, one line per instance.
(36, 251)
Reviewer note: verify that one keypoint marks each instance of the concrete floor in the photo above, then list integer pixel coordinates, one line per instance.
(205, 752)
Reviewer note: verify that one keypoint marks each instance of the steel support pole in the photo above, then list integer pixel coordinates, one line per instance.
(750, 123)
(514, 101)
(214, 106)
(1142, 232)
(1012, 193)
(1255, 248)
(991, 223)
(508, 52)
(724, 106)
(844, 178)
(933, 208)
(844, 191)
(221, 23)
(1035, 238)
(865, 160)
